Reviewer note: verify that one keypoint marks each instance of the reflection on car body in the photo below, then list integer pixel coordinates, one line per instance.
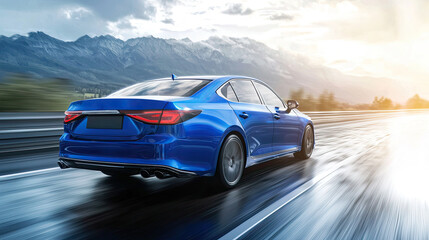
(212, 126)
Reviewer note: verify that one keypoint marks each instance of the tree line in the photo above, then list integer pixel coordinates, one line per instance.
(20, 92)
(326, 101)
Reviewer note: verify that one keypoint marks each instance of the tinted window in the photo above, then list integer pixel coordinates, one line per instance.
(245, 91)
(227, 92)
(180, 88)
(269, 96)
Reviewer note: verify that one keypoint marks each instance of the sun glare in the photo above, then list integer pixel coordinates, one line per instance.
(409, 157)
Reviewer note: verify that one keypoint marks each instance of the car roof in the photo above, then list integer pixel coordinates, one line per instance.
(207, 77)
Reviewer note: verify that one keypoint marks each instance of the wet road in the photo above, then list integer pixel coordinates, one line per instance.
(377, 189)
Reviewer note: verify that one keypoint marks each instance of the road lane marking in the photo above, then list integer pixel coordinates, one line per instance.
(250, 223)
(29, 173)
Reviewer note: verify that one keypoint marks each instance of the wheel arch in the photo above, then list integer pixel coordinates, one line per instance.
(309, 123)
(314, 133)
(241, 134)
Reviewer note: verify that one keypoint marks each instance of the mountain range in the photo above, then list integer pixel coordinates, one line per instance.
(112, 63)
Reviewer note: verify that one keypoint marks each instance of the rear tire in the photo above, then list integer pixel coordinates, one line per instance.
(230, 165)
(307, 145)
(118, 174)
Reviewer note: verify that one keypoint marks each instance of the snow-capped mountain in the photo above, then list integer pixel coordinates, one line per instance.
(112, 63)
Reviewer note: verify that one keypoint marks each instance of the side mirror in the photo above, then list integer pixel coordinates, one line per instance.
(291, 104)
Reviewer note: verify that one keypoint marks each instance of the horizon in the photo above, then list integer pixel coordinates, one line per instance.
(124, 40)
(381, 40)
(403, 100)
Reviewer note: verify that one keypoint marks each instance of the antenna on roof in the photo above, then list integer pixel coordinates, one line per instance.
(173, 76)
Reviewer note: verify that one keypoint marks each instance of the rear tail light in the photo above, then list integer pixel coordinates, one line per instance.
(150, 117)
(71, 116)
(163, 117)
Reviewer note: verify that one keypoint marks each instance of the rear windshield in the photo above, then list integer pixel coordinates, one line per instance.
(179, 88)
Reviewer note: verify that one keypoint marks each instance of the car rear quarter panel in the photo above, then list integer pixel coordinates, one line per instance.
(200, 138)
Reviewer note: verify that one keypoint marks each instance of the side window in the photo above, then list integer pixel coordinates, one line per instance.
(269, 96)
(245, 91)
(227, 92)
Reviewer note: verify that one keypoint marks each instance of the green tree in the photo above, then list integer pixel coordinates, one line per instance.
(327, 101)
(417, 102)
(297, 94)
(305, 103)
(382, 103)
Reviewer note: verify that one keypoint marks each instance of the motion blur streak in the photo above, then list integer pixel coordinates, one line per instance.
(382, 194)
(379, 192)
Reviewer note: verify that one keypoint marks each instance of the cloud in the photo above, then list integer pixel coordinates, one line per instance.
(199, 13)
(237, 9)
(66, 22)
(124, 24)
(360, 21)
(354, 31)
(76, 13)
(70, 19)
(113, 10)
(168, 21)
(281, 16)
(168, 3)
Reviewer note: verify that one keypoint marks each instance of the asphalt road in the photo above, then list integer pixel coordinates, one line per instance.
(366, 180)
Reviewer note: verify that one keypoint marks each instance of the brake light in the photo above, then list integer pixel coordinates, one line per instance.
(170, 117)
(71, 116)
(150, 117)
(163, 117)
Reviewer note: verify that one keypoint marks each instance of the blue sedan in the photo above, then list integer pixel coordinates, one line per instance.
(212, 126)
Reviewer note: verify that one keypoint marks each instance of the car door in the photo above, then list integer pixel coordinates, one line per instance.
(286, 124)
(255, 118)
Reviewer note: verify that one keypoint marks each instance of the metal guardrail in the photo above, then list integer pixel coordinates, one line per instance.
(21, 132)
(344, 116)
(24, 131)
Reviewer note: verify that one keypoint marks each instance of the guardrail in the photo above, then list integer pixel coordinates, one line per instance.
(25, 131)
(21, 132)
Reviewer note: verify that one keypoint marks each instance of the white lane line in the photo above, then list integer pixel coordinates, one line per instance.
(29, 173)
(249, 224)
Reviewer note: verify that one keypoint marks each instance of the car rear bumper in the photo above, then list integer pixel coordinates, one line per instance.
(100, 166)
(188, 156)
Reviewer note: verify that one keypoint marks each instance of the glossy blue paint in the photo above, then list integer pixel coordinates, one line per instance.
(258, 126)
(192, 145)
(288, 129)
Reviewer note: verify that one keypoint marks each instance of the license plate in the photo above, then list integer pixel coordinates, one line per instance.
(104, 122)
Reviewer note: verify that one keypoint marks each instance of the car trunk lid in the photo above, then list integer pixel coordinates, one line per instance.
(105, 118)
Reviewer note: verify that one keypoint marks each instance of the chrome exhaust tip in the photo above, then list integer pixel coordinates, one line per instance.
(62, 165)
(162, 175)
(145, 173)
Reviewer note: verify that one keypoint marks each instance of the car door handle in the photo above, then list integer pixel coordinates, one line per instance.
(244, 115)
(276, 116)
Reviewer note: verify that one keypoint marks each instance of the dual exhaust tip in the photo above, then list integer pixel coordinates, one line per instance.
(144, 173)
(156, 173)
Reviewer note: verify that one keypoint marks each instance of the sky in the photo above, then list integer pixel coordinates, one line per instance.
(378, 38)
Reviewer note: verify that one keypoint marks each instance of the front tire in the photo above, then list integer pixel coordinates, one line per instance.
(230, 164)
(307, 145)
